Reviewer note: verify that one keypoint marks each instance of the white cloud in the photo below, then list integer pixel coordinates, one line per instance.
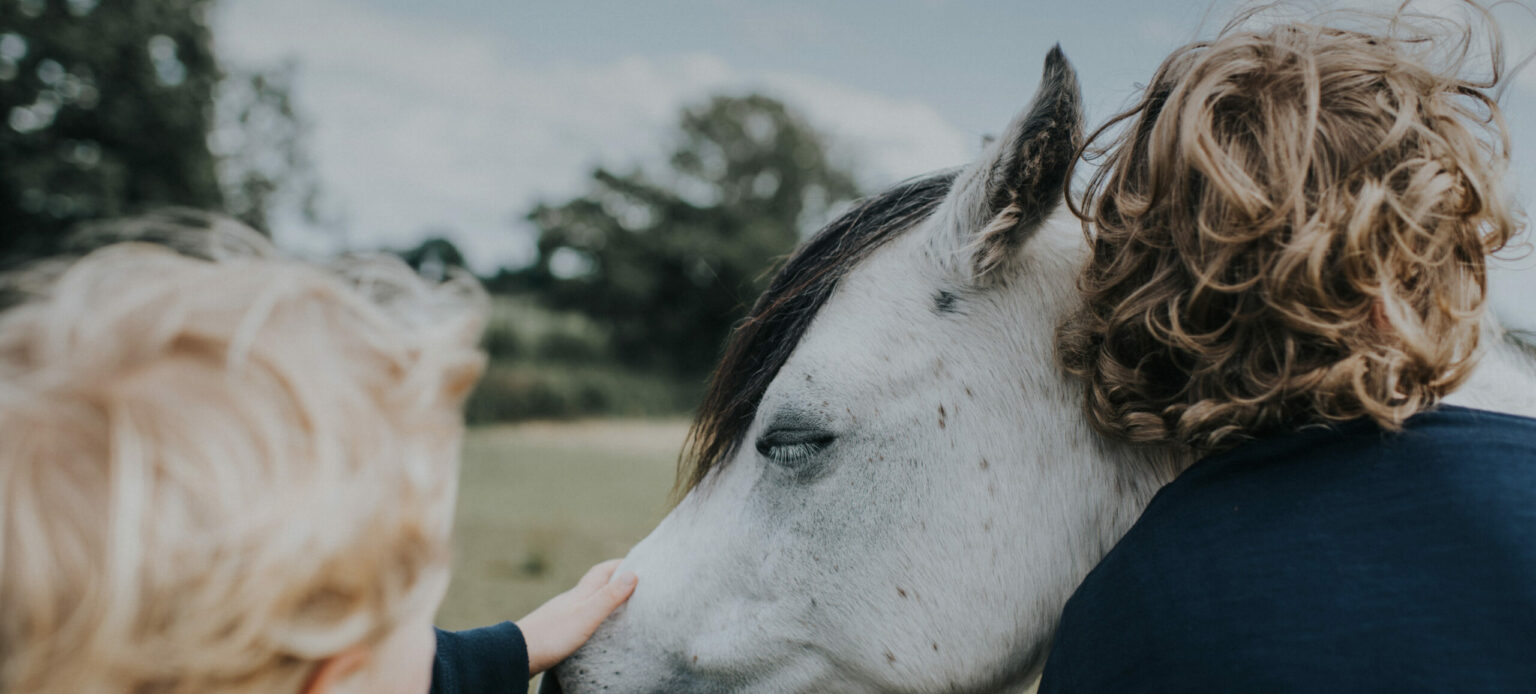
(421, 125)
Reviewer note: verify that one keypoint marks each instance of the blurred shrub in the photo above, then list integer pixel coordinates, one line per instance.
(501, 342)
(566, 347)
(539, 390)
(519, 328)
(558, 364)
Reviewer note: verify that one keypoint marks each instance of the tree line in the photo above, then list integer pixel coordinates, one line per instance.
(119, 108)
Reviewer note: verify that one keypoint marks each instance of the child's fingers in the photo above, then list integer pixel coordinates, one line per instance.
(611, 596)
(597, 576)
(619, 589)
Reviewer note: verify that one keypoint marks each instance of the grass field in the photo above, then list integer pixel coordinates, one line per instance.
(539, 503)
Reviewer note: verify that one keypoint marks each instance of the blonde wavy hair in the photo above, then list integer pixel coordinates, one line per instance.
(219, 472)
(1291, 228)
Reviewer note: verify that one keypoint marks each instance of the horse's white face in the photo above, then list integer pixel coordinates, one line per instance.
(929, 547)
(918, 492)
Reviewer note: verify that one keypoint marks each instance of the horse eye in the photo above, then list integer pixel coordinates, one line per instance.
(792, 448)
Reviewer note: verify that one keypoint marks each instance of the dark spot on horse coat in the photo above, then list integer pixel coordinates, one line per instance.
(985, 464)
(944, 302)
(942, 415)
(890, 657)
(935, 646)
(900, 591)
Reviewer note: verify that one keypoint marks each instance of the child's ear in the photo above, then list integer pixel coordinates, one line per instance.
(335, 670)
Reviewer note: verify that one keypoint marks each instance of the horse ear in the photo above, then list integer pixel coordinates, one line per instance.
(1019, 180)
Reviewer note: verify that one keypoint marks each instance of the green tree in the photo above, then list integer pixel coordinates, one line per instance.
(108, 109)
(670, 261)
(261, 142)
(434, 257)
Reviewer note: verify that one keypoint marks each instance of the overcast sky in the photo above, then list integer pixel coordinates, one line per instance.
(454, 116)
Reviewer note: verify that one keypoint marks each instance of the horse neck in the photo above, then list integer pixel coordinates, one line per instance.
(1134, 472)
(1139, 472)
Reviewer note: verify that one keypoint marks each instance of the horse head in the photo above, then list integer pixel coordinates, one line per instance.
(891, 486)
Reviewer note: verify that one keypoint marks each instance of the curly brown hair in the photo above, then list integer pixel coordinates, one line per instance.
(1291, 227)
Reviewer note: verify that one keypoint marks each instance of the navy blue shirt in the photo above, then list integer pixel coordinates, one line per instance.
(481, 661)
(1337, 559)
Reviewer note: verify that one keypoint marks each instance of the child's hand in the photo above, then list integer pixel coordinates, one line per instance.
(557, 628)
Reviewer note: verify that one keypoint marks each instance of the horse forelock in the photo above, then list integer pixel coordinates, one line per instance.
(764, 340)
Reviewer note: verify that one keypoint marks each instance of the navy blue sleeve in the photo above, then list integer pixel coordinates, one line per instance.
(1345, 559)
(479, 661)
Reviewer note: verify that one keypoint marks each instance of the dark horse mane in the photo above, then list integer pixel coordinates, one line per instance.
(763, 341)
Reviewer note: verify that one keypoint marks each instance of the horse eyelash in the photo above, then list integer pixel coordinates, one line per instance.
(790, 453)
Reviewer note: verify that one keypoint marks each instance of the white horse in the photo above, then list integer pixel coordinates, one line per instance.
(894, 488)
